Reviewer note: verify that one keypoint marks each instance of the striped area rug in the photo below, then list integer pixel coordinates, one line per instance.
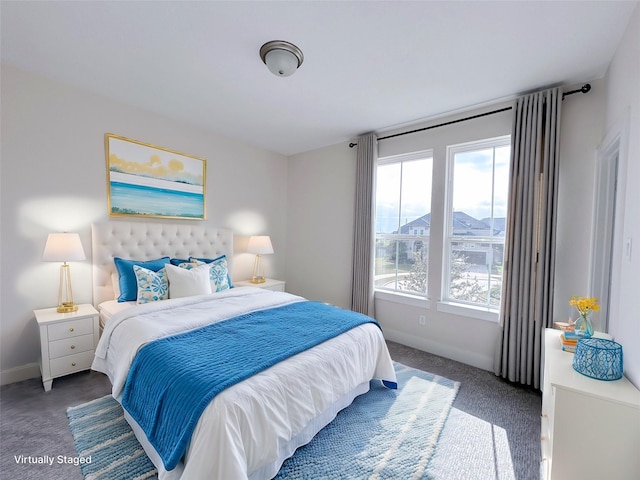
(384, 434)
(106, 445)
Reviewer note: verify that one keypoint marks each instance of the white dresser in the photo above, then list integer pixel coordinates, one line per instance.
(590, 428)
(67, 341)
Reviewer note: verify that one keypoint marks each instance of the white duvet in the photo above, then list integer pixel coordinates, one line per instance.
(248, 430)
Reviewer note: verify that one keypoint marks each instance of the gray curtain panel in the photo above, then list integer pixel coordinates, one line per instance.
(527, 295)
(362, 270)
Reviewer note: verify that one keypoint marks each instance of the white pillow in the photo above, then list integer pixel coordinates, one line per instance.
(185, 283)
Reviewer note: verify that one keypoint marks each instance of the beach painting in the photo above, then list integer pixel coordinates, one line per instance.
(151, 181)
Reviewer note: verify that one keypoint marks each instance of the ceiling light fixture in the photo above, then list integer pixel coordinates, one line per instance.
(282, 58)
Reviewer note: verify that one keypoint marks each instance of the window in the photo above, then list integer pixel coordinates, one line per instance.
(477, 195)
(402, 222)
(470, 220)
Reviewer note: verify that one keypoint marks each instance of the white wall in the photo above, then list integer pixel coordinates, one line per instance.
(623, 113)
(54, 179)
(320, 205)
(582, 127)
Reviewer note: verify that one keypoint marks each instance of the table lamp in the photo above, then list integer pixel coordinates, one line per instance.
(260, 245)
(64, 247)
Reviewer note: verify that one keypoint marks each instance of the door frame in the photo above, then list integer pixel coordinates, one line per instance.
(608, 215)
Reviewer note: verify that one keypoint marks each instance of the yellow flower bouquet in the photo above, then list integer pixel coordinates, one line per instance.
(585, 306)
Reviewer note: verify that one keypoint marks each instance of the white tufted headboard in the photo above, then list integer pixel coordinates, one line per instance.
(146, 241)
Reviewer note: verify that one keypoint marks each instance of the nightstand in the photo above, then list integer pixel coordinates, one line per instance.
(67, 341)
(269, 284)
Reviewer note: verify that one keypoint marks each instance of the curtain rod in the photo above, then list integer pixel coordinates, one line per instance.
(584, 89)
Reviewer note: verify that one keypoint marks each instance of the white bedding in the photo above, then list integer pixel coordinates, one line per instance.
(249, 429)
(109, 308)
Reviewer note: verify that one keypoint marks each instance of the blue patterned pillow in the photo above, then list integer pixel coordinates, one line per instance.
(127, 277)
(152, 286)
(218, 272)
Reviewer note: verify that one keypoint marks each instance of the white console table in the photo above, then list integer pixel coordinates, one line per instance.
(590, 428)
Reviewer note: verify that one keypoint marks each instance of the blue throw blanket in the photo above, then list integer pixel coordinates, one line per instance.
(173, 379)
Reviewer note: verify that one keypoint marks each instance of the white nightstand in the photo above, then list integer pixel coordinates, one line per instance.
(67, 341)
(269, 284)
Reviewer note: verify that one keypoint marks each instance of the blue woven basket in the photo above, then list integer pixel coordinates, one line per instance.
(598, 358)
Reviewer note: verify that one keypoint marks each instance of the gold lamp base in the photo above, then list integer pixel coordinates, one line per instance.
(67, 307)
(65, 294)
(258, 270)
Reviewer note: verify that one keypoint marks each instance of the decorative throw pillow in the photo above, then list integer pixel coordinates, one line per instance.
(152, 286)
(127, 278)
(178, 261)
(115, 283)
(185, 282)
(219, 274)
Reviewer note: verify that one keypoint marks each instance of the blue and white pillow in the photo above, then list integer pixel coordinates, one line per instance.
(218, 271)
(152, 286)
(127, 278)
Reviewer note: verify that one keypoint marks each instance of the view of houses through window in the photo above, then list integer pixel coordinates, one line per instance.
(403, 195)
(476, 216)
(475, 206)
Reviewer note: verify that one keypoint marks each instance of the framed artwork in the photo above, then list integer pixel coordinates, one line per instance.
(150, 181)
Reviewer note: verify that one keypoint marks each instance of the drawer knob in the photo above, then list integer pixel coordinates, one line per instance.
(71, 329)
(72, 347)
(543, 437)
(544, 415)
(73, 364)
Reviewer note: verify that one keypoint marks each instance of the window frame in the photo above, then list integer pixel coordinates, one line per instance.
(447, 303)
(390, 293)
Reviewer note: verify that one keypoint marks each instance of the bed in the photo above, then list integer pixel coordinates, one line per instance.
(249, 428)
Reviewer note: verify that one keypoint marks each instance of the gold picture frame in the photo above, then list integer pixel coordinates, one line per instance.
(150, 181)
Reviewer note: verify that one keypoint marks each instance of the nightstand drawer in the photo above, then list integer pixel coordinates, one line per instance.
(72, 328)
(71, 363)
(70, 346)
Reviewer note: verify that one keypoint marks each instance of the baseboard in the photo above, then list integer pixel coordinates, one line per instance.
(446, 351)
(18, 374)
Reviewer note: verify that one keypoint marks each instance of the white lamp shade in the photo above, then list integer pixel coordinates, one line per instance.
(281, 62)
(260, 245)
(63, 247)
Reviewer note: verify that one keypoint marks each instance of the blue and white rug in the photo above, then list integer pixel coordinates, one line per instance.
(385, 434)
(104, 438)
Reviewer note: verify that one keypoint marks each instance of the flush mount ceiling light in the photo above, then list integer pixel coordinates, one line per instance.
(282, 58)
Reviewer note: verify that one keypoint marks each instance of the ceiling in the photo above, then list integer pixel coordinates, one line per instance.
(368, 65)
